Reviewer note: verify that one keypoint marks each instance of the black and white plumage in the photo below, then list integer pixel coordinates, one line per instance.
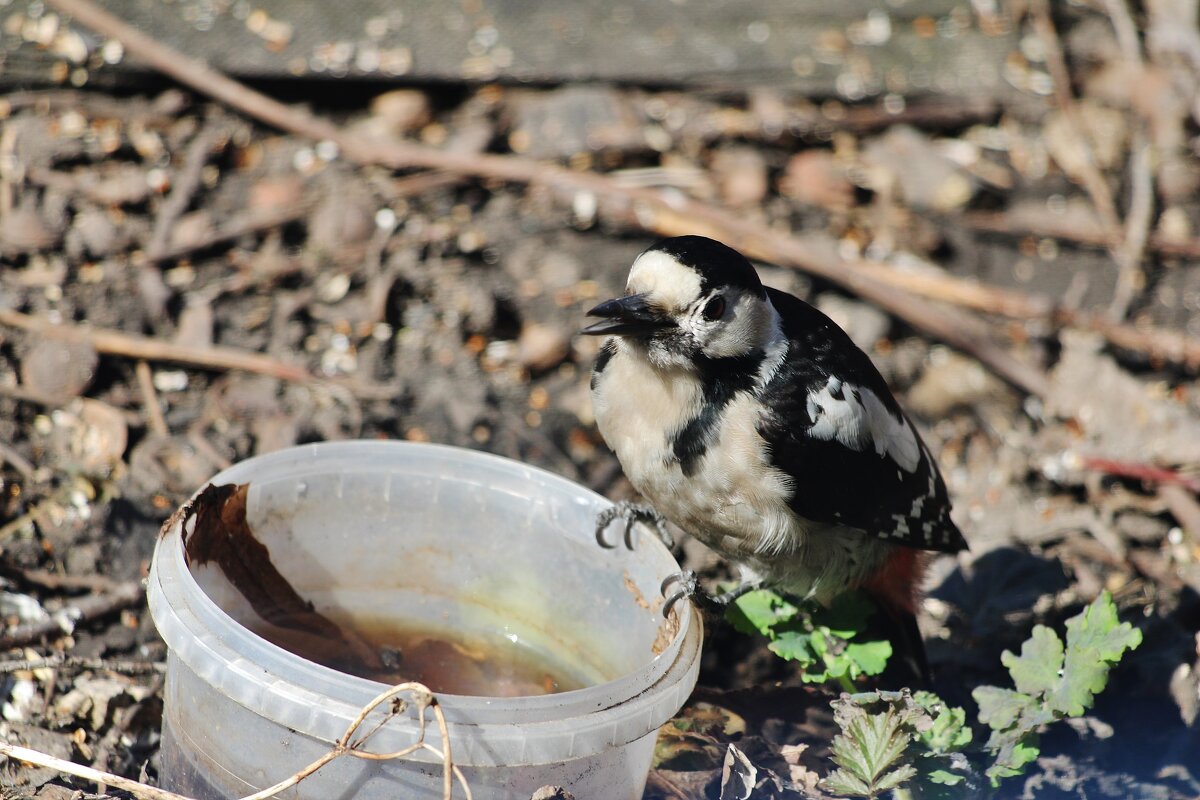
(750, 420)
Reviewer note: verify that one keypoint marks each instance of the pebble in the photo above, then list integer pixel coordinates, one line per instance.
(58, 368)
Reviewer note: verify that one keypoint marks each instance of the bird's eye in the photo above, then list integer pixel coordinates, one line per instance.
(714, 309)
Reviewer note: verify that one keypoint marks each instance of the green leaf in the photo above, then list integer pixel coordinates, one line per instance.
(1001, 708)
(846, 616)
(1095, 641)
(1097, 630)
(945, 777)
(872, 751)
(869, 657)
(949, 731)
(1011, 760)
(842, 782)
(1037, 670)
(870, 743)
(1053, 681)
(820, 640)
(760, 611)
(794, 646)
(899, 775)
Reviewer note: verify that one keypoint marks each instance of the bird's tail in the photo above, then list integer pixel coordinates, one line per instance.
(896, 588)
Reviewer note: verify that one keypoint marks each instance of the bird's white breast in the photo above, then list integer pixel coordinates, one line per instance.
(735, 501)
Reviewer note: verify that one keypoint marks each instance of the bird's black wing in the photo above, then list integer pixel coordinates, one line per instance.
(833, 426)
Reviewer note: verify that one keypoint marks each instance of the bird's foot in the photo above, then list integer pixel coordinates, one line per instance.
(631, 513)
(688, 587)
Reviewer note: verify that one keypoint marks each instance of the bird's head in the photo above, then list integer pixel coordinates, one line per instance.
(689, 297)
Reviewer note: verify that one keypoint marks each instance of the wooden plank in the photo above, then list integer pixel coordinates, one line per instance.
(852, 49)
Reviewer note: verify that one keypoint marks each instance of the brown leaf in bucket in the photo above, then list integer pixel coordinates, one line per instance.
(222, 536)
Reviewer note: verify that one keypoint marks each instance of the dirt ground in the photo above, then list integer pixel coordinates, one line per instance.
(183, 287)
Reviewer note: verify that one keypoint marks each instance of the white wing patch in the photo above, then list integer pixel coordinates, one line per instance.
(856, 418)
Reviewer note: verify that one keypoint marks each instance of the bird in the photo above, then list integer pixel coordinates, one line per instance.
(750, 420)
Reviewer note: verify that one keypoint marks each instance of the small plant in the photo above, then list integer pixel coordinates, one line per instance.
(890, 740)
(872, 751)
(1052, 682)
(826, 643)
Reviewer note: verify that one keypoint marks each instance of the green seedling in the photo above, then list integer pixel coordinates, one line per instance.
(826, 643)
(1053, 681)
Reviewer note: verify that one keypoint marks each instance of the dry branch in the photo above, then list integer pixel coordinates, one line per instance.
(257, 222)
(116, 343)
(139, 790)
(64, 621)
(1048, 227)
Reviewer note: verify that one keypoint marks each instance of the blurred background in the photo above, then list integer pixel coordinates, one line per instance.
(997, 200)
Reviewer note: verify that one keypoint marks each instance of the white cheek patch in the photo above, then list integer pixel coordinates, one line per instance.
(664, 281)
(749, 324)
(858, 419)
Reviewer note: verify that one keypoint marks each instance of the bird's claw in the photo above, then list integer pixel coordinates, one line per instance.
(688, 587)
(631, 513)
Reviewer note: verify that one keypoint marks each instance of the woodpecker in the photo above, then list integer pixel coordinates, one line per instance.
(752, 421)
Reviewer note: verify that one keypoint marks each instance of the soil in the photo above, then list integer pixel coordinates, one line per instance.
(437, 307)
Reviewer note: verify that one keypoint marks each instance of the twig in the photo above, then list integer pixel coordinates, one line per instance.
(1125, 29)
(1127, 243)
(420, 183)
(11, 169)
(1174, 347)
(35, 513)
(927, 113)
(65, 620)
(137, 789)
(253, 223)
(87, 184)
(125, 667)
(1183, 507)
(154, 415)
(1060, 77)
(964, 292)
(116, 343)
(166, 107)
(183, 187)
(1130, 278)
(24, 394)
(1141, 202)
(56, 582)
(1047, 226)
(19, 462)
(662, 785)
(1140, 471)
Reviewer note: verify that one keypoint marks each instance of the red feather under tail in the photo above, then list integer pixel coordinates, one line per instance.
(898, 582)
(896, 587)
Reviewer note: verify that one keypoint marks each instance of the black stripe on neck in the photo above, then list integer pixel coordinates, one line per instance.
(720, 379)
(607, 350)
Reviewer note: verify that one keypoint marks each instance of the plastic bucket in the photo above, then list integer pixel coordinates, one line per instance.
(429, 534)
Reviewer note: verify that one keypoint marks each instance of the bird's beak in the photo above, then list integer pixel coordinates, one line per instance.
(626, 316)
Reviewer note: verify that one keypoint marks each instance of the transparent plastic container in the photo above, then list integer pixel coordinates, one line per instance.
(433, 534)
